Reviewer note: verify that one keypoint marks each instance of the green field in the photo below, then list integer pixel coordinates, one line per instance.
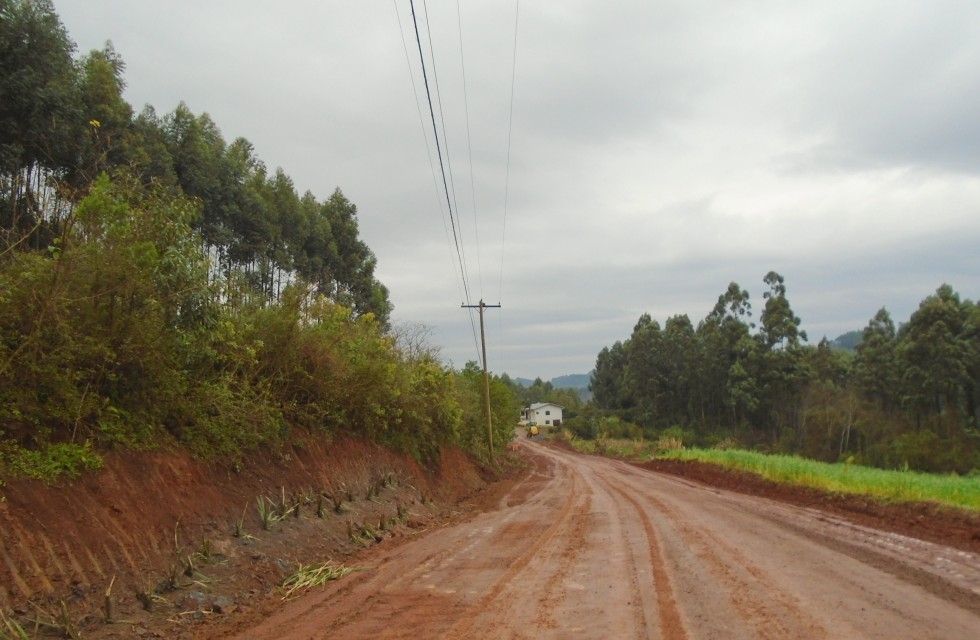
(885, 485)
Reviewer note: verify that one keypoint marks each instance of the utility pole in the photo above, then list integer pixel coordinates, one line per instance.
(486, 374)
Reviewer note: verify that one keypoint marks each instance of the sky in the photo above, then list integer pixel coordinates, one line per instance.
(605, 159)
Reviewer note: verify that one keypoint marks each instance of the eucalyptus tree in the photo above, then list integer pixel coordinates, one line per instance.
(245, 211)
(287, 230)
(40, 132)
(784, 372)
(831, 406)
(679, 364)
(316, 251)
(934, 350)
(608, 377)
(198, 151)
(726, 374)
(780, 326)
(538, 391)
(733, 307)
(971, 340)
(149, 156)
(645, 376)
(743, 394)
(108, 117)
(348, 275)
(876, 372)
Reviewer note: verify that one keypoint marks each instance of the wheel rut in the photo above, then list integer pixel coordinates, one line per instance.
(671, 622)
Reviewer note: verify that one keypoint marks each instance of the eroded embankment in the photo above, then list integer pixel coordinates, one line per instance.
(149, 521)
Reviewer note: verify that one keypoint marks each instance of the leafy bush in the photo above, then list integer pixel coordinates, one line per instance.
(50, 461)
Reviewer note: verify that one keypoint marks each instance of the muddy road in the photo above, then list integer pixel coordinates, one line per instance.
(594, 548)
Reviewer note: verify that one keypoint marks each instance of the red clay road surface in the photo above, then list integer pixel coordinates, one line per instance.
(589, 547)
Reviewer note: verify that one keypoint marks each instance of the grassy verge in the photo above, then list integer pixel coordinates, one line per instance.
(881, 484)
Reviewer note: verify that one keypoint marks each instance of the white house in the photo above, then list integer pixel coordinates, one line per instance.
(542, 414)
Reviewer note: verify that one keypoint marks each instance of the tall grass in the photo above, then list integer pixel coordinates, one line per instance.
(889, 486)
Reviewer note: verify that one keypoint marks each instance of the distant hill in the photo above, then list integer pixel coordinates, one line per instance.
(847, 341)
(578, 381)
(572, 381)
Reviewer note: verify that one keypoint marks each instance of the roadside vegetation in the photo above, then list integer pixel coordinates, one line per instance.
(160, 287)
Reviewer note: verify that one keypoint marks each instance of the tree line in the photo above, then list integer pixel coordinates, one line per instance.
(64, 121)
(159, 287)
(906, 397)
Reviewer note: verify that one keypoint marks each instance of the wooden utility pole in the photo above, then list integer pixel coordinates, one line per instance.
(486, 374)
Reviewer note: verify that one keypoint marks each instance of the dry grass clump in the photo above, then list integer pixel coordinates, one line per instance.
(669, 443)
(313, 575)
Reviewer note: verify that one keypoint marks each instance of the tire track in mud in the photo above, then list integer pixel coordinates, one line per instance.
(620, 551)
(765, 595)
(640, 549)
(646, 598)
(952, 575)
(572, 578)
(575, 537)
(951, 587)
(671, 622)
(757, 599)
(462, 628)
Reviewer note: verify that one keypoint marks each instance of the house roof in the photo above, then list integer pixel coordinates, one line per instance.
(538, 405)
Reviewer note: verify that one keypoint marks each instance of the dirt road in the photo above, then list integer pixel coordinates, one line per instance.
(593, 548)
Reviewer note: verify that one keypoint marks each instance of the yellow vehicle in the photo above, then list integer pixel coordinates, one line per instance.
(532, 430)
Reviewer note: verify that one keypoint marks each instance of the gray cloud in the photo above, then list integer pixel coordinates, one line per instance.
(660, 150)
(897, 84)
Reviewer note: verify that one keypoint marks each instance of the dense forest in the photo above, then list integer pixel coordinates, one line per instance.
(160, 285)
(906, 397)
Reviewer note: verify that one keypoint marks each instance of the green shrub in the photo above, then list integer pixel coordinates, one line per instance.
(50, 461)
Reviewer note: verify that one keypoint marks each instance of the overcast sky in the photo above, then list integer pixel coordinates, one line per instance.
(659, 150)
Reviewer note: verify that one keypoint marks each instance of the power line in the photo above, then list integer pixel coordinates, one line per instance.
(442, 166)
(510, 131)
(469, 147)
(445, 138)
(428, 149)
(461, 278)
(445, 162)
